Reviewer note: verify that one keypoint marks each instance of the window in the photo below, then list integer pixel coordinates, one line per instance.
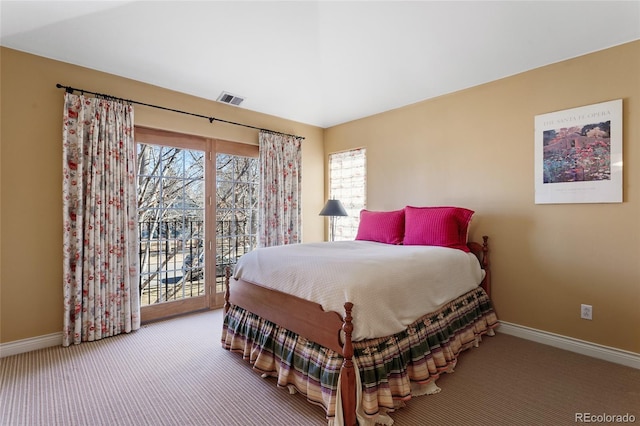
(348, 183)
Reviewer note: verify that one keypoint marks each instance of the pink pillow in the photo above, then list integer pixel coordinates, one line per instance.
(383, 227)
(437, 226)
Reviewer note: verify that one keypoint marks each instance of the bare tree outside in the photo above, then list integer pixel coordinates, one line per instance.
(171, 209)
(171, 222)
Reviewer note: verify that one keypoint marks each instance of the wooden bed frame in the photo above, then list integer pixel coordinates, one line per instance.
(304, 318)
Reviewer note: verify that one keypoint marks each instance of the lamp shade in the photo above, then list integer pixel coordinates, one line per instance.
(333, 208)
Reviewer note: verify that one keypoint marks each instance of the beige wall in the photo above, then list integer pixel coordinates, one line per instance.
(31, 156)
(475, 148)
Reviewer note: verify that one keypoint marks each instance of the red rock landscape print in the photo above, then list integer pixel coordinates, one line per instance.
(577, 154)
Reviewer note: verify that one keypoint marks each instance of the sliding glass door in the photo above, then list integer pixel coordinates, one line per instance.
(172, 225)
(197, 209)
(236, 210)
(236, 202)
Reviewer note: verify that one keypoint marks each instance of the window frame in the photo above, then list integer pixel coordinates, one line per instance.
(347, 228)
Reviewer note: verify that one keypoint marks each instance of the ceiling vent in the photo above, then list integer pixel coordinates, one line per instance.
(228, 98)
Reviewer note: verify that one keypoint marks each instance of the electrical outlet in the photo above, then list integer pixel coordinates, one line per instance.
(586, 312)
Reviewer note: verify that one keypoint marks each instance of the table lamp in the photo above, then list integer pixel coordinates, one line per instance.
(332, 209)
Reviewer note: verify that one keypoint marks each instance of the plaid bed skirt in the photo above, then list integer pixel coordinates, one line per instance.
(389, 367)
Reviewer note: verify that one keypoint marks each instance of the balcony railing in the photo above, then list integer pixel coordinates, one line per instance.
(172, 257)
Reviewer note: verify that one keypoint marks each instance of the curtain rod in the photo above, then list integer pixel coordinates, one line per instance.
(211, 119)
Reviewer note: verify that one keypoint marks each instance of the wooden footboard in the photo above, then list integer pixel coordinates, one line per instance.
(309, 320)
(301, 316)
(306, 319)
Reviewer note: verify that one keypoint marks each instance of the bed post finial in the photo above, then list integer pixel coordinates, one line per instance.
(347, 327)
(486, 284)
(485, 251)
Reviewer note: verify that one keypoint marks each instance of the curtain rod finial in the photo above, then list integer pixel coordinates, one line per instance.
(66, 88)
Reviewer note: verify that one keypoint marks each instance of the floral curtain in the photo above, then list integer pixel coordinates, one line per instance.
(280, 188)
(101, 296)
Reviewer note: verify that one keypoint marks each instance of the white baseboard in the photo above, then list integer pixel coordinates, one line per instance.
(618, 356)
(31, 344)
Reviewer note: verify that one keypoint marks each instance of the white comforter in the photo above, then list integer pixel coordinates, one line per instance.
(390, 286)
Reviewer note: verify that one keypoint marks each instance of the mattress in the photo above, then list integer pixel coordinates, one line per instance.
(391, 286)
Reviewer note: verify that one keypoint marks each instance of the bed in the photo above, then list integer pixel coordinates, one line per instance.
(360, 327)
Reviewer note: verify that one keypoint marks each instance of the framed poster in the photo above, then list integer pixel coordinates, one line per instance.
(578, 155)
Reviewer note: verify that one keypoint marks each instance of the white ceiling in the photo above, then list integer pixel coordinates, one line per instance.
(316, 62)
